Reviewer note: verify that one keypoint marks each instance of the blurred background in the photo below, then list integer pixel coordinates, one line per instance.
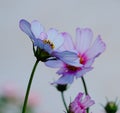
(17, 59)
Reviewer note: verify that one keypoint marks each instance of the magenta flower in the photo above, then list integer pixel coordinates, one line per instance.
(48, 42)
(79, 105)
(85, 52)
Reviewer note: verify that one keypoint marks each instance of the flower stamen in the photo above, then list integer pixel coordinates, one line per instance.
(50, 43)
(72, 68)
(82, 59)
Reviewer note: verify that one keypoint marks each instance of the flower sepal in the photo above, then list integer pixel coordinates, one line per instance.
(61, 88)
(41, 55)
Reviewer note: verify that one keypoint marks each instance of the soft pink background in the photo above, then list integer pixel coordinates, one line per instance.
(16, 56)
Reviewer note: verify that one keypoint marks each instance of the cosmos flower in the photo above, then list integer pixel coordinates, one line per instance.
(79, 105)
(47, 43)
(86, 54)
(44, 40)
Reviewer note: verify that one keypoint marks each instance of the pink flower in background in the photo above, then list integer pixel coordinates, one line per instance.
(10, 91)
(86, 54)
(34, 99)
(79, 105)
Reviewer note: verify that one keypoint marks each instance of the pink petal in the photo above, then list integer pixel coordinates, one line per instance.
(89, 103)
(68, 43)
(79, 97)
(97, 48)
(87, 98)
(36, 28)
(83, 39)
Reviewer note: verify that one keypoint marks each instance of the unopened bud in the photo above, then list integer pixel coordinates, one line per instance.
(111, 107)
(61, 87)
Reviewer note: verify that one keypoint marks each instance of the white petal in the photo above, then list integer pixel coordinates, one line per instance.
(61, 71)
(68, 57)
(89, 62)
(65, 79)
(58, 41)
(25, 26)
(36, 28)
(54, 63)
(83, 71)
(52, 33)
(83, 39)
(55, 38)
(97, 48)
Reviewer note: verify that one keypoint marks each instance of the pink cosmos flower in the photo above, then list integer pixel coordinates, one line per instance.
(10, 91)
(79, 105)
(33, 99)
(86, 54)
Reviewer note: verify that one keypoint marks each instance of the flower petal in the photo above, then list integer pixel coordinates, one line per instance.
(68, 43)
(55, 38)
(52, 33)
(54, 63)
(61, 71)
(97, 48)
(58, 41)
(47, 48)
(39, 43)
(26, 28)
(65, 79)
(87, 102)
(79, 97)
(83, 71)
(36, 28)
(83, 39)
(89, 62)
(68, 57)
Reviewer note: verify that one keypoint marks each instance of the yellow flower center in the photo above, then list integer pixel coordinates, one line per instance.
(82, 59)
(50, 43)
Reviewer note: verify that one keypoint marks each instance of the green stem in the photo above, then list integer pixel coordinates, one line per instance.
(29, 86)
(63, 99)
(85, 88)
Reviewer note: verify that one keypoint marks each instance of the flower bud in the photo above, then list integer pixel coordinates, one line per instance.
(61, 88)
(111, 107)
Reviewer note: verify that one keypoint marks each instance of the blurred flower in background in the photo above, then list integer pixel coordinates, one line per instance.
(11, 100)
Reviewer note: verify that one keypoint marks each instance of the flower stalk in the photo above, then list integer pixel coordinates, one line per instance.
(85, 88)
(29, 86)
(63, 99)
